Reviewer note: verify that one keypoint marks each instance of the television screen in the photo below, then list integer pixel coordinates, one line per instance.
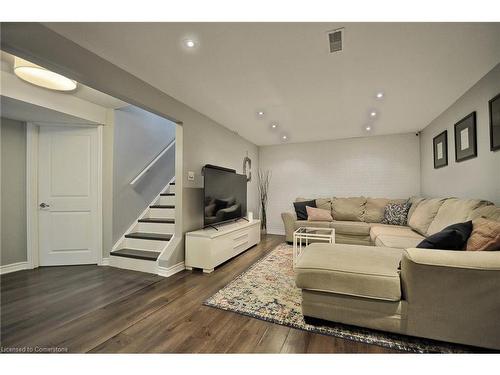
(225, 196)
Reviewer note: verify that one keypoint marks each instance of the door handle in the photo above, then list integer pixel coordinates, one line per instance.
(44, 205)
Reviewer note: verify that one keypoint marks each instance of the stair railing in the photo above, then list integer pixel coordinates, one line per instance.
(152, 163)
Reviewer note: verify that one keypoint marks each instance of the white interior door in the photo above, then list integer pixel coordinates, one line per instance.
(67, 196)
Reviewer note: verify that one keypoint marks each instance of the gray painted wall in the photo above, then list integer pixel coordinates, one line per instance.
(13, 191)
(473, 178)
(139, 136)
(206, 142)
(379, 166)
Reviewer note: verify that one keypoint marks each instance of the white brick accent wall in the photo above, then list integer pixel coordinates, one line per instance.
(378, 166)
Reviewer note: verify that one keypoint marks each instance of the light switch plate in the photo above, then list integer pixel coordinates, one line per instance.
(190, 176)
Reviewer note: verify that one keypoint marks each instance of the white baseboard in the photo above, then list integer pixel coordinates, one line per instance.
(104, 262)
(279, 231)
(14, 267)
(169, 271)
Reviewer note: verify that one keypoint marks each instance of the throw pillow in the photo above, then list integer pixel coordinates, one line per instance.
(485, 235)
(396, 213)
(318, 214)
(453, 237)
(300, 208)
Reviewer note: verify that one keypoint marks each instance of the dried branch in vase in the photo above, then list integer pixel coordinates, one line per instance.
(264, 179)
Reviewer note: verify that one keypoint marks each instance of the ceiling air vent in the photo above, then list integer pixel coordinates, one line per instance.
(336, 39)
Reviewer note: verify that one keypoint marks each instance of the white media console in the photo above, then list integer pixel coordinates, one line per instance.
(209, 247)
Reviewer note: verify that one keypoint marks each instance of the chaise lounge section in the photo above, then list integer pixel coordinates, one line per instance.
(392, 286)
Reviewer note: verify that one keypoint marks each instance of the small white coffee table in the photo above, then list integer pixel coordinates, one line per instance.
(304, 235)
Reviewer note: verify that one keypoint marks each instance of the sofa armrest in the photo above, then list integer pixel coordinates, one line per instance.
(486, 260)
(289, 219)
(445, 277)
(452, 295)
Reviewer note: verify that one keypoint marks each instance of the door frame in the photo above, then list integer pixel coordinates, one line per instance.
(32, 244)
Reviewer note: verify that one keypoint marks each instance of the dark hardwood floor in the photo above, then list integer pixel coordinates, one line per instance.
(109, 310)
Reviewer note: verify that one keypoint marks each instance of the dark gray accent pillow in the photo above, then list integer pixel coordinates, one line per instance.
(300, 208)
(453, 237)
(396, 213)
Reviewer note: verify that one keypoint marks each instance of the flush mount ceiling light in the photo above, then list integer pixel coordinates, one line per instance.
(189, 43)
(379, 95)
(42, 77)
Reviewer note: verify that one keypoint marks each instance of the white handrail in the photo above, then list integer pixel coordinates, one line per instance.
(153, 162)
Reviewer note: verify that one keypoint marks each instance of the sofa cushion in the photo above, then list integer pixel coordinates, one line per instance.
(424, 214)
(375, 208)
(452, 211)
(323, 203)
(356, 228)
(488, 212)
(355, 270)
(414, 202)
(349, 209)
(398, 242)
(393, 230)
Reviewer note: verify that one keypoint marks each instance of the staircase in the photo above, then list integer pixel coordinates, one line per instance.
(141, 246)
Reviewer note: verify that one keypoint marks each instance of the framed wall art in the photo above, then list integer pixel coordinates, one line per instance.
(440, 147)
(494, 106)
(466, 138)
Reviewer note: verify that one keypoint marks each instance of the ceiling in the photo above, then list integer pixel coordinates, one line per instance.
(285, 70)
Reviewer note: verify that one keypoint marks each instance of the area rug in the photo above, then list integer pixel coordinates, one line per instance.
(267, 291)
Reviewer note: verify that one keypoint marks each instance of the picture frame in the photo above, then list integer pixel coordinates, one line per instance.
(440, 149)
(494, 109)
(466, 138)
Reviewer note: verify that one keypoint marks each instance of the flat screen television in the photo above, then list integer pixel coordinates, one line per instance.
(225, 195)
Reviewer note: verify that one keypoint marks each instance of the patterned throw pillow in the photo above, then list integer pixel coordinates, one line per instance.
(396, 213)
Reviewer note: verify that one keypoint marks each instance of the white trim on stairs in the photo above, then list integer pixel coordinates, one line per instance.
(169, 271)
(143, 213)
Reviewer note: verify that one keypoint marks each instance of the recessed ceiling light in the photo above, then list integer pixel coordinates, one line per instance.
(260, 113)
(284, 137)
(368, 128)
(189, 43)
(274, 125)
(42, 77)
(380, 95)
(373, 114)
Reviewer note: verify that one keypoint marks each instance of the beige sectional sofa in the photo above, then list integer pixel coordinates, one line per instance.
(357, 220)
(374, 276)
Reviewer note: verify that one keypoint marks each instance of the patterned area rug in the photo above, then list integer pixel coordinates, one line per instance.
(267, 291)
